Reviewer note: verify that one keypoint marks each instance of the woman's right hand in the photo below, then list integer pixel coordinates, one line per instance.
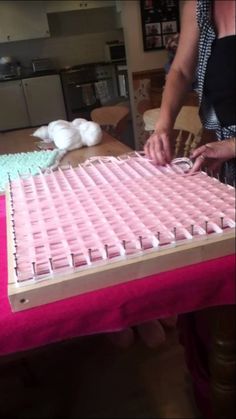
(157, 147)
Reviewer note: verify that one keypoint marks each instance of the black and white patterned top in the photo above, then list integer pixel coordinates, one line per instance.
(207, 37)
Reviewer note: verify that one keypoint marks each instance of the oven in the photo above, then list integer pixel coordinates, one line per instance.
(87, 87)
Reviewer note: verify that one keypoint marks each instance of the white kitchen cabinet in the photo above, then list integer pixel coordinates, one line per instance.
(67, 5)
(13, 110)
(21, 20)
(118, 6)
(44, 99)
(31, 102)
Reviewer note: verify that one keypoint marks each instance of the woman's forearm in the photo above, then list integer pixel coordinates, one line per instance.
(176, 88)
(182, 70)
(232, 143)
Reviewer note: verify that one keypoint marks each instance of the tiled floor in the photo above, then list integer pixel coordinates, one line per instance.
(91, 378)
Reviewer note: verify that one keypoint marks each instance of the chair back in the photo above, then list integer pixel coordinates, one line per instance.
(188, 126)
(113, 119)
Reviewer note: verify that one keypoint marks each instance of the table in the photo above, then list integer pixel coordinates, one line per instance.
(185, 290)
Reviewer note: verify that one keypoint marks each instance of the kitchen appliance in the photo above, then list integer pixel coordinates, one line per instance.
(123, 84)
(42, 64)
(115, 51)
(87, 87)
(9, 68)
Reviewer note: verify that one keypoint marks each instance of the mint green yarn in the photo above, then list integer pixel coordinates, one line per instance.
(23, 163)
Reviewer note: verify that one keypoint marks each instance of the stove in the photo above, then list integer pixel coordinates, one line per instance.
(87, 87)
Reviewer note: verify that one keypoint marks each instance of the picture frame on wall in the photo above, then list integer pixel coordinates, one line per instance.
(160, 21)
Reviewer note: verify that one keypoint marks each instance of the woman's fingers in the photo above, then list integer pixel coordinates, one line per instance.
(157, 148)
(166, 147)
(199, 162)
(223, 150)
(198, 152)
(211, 155)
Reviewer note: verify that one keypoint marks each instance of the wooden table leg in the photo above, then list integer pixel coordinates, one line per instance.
(222, 360)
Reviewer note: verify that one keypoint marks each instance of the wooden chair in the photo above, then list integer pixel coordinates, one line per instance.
(188, 129)
(113, 119)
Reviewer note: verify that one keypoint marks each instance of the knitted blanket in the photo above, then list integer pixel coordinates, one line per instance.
(22, 163)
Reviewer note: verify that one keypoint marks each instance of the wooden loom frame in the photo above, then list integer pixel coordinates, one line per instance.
(106, 274)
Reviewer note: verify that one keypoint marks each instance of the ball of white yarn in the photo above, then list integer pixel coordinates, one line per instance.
(67, 138)
(55, 125)
(42, 133)
(78, 121)
(91, 133)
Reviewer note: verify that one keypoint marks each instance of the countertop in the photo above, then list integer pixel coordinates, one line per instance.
(30, 74)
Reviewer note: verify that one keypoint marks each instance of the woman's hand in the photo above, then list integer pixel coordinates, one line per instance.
(212, 155)
(157, 147)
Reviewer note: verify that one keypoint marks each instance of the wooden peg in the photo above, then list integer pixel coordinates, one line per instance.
(175, 233)
(34, 268)
(90, 254)
(192, 229)
(72, 259)
(222, 222)
(50, 264)
(141, 242)
(106, 251)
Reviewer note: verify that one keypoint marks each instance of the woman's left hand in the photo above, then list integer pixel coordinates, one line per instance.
(212, 155)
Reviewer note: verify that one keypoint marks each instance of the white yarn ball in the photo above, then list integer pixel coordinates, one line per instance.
(91, 133)
(67, 138)
(54, 125)
(78, 121)
(42, 133)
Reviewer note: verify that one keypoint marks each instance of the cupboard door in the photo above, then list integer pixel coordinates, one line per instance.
(13, 111)
(44, 99)
(21, 20)
(54, 6)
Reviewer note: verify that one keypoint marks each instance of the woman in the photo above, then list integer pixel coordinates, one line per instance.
(206, 48)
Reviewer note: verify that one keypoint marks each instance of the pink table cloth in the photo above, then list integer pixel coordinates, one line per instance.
(179, 291)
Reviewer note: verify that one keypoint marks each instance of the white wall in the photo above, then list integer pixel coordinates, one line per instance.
(138, 59)
(65, 51)
(77, 37)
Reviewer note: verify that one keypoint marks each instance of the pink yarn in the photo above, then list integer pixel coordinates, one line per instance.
(111, 208)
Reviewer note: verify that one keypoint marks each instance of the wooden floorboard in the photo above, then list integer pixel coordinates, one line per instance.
(90, 377)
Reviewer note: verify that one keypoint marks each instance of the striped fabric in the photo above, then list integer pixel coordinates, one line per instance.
(206, 112)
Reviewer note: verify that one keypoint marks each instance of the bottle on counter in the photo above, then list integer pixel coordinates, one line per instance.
(18, 68)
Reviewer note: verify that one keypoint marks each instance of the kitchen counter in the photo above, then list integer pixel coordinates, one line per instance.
(25, 74)
(30, 74)
(89, 65)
